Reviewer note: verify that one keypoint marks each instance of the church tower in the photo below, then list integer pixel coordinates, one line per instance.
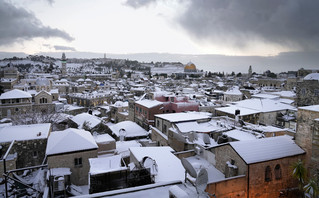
(63, 61)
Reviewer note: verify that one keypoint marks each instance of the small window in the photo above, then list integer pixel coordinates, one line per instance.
(268, 174)
(35, 154)
(316, 92)
(78, 162)
(165, 128)
(157, 123)
(278, 172)
(17, 109)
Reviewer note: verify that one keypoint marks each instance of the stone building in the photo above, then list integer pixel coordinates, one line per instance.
(165, 121)
(255, 168)
(29, 146)
(308, 90)
(89, 99)
(15, 102)
(119, 111)
(62, 152)
(307, 135)
(145, 110)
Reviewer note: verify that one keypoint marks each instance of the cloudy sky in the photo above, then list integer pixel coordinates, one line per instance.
(227, 27)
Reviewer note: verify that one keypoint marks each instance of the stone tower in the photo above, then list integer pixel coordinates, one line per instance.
(250, 71)
(63, 61)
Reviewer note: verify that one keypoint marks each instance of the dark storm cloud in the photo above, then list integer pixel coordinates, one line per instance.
(139, 3)
(292, 23)
(64, 48)
(17, 24)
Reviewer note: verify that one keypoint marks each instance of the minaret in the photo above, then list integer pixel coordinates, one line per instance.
(250, 71)
(63, 61)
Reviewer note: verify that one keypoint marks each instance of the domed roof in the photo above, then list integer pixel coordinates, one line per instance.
(312, 76)
(190, 66)
(42, 82)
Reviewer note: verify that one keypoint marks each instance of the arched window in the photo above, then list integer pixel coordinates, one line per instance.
(268, 174)
(278, 171)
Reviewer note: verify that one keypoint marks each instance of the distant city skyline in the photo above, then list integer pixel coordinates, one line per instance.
(245, 28)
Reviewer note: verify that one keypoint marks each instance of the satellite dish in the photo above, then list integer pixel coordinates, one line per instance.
(122, 134)
(189, 167)
(150, 164)
(201, 181)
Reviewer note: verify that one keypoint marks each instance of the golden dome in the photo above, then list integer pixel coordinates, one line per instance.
(190, 67)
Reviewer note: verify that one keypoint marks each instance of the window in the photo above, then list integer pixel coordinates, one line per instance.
(268, 174)
(78, 162)
(43, 100)
(17, 100)
(35, 154)
(277, 172)
(316, 92)
(165, 128)
(157, 123)
(16, 109)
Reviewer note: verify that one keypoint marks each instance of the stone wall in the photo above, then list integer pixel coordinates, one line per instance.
(231, 187)
(226, 153)
(29, 152)
(259, 187)
(159, 137)
(307, 93)
(79, 174)
(305, 121)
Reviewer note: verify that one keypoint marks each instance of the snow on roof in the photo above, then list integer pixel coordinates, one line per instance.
(265, 96)
(70, 140)
(85, 117)
(263, 105)
(149, 103)
(260, 150)
(105, 164)
(240, 135)
(233, 91)
(122, 148)
(131, 128)
(24, 132)
(243, 111)
(170, 167)
(120, 104)
(289, 94)
(103, 139)
(310, 108)
(180, 117)
(185, 127)
(15, 93)
(312, 76)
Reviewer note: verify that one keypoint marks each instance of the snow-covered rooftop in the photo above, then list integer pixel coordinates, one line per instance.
(15, 93)
(70, 140)
(149, 103)
(105, 164)
(170, 167)
(91, 120)
(243, 111)
(24, 132)
(180, 117)
(264, 105)
(131, 129)
(240, 135)
(259, 150)
(311, 108)
(312, 76)
(103, 139)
